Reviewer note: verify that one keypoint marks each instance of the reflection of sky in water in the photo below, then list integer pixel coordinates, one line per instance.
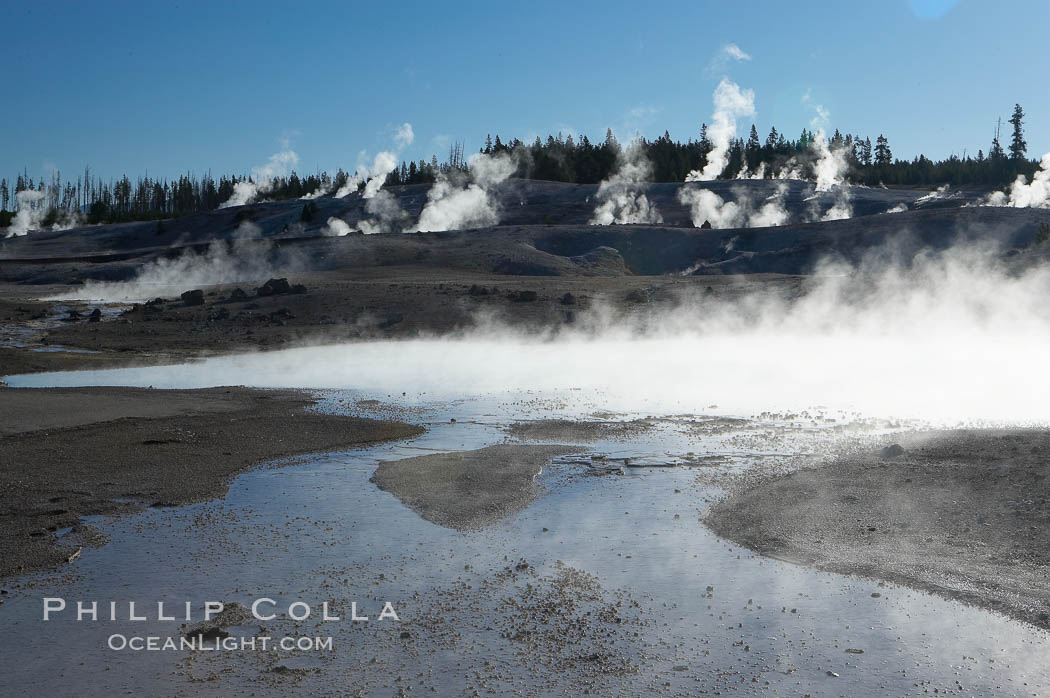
(321, 531)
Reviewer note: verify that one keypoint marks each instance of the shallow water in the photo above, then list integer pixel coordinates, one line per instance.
(318, 530)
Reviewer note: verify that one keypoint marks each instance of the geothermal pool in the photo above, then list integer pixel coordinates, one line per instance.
(607, 583)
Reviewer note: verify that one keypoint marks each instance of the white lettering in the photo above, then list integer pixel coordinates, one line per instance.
(50, 605)
(212, 608)
(255, 609)
(83, 610)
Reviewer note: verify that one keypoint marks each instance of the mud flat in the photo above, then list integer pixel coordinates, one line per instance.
(66, 453)
(963, 514)
(573, 431)
(468, 490)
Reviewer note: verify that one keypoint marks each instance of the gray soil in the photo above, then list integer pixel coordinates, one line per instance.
(467, 490)
(965, 514)
(572, 431)
(66, 453)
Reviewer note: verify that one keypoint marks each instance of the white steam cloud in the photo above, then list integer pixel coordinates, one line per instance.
(950, 338)
(221, 263)
(374, 175)
(707, 206)
(459, 206)
(731, 103)
(830, 172)
(31, 215)
(261, 181)
(619, 198)
(1025, 194)
(336, 227)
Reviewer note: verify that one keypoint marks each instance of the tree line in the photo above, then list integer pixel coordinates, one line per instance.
(559, 158)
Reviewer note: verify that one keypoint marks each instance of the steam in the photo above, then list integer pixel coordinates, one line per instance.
(949, 337)
(222, 263)
(1024, 194)
(28, 216)
(707, 206)
(261, 181)
(336, 227)
(619, 200)
(459, 205)
(830, 171)
(375, 175)
(31, 215)
(899, 208)
(731, 103)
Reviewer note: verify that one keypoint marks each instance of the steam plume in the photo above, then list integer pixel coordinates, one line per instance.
(619, 200)
(1024, 194)
(707, 206)
(455, 205)
(731, 103)
(261, 181)
(222, 263)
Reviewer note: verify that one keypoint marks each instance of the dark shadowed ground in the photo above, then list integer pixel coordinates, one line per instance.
(69, 452)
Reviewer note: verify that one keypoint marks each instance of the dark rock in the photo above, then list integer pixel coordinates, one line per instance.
(891, 451)
(298, 288)
(95, 316)
(238, 294)
(476, 290)
(706, 225)
(194, 297)
(524, 296)
(273, 287)
(568, 299)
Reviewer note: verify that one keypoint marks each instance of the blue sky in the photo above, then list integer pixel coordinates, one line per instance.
(192, 86)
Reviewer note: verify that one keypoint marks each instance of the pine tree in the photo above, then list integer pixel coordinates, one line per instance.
(752, 140)
(883, 154)
(1018, 146)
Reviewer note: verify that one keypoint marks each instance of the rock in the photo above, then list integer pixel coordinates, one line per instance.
(273, 287)
(194, 297)
(476, 290)
(405, 635)
(706, 225)
(95, 316)
(298, 288)
(891, 451)
(524, 296)
(568, 299)
(238, 294)
(850, 650)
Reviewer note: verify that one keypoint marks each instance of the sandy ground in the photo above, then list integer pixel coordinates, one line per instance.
(66, 453)
(466, 490)
(961, 513)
